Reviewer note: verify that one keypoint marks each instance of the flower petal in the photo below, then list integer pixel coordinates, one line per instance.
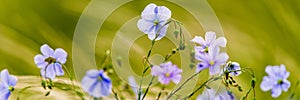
(39, 60)
(176, 79)
(199, 40)
(267, 84)
(210, 37)
(163, 13)
(156, 70)
(87, 82)
(46, 50)
(286, 85)
(4, 95)
(222, 58)
(149, 10)
(49, 72)
(215, 69)
(213, 51)
(276, 91)
(201, 66)
(221, 41)
(93, 73)
(60, 55)
(144, 26)
(58, 69)
(164, 80)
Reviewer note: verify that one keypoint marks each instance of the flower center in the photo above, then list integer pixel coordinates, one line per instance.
(167, 75)
(280, 81)
(156, 21)
(50, 60)
(11, 88)
(211, 62)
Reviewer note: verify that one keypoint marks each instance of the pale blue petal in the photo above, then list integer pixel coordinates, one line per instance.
(286, 85)
(4, 95)
(222, 58)
(276, 91)
(267, 84)
(49, 72)
(144, 26)
(149, 10)
(163, 13)
(58, 69)
(215, 69)
(5, 77)
(47, 51)
(93, 73)
(213, 51)
(60, 55)
(221, 41)
(199, 40)
(210, 37)
(176, 78)
(39, 60)
(87, 82)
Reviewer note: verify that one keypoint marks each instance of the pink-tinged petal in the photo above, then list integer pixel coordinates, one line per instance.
(286, 85)
(156, 70)
(199, 40)
(163, 13)
(47, 51)
(39, 60)
(144, 26)
(58, 69)
(266, 84)
(276, 91)
(60, 55)
(149, 10)
(221, 41)
(210, 37)
(164, 80)
(215, 69)
(176, 79)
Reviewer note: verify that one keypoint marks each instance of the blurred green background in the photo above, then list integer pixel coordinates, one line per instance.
(259, 33)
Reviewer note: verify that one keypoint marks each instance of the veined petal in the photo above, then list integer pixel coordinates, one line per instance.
(213, 51)
(201, 66)
(164, 80)
(5, 77)
(58, 69)
(267, 84)
(149, 9)
(163, 13)
(4, 95)
(47, 51)
(144, 26)
(87, 82)
(276, 91)
(210, 37)
(199, 40)
(222, 58)
(49, 72)
(60, 55)
(221, 41)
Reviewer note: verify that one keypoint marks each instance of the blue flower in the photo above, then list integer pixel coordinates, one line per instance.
(51, 61)
(211, 94)
(167, 72)
(153, 18)
(212, 60)
(234, 67)
(96, 83)
(210, 40)
(276, 81)
(7, 84)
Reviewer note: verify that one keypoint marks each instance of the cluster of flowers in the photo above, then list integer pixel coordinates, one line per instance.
(154, 22)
